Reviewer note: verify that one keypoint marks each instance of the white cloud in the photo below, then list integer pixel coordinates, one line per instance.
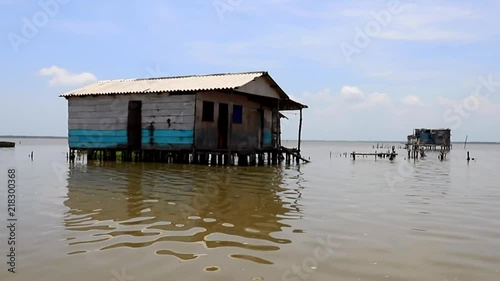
(375, 99)
(324, 95)
(355, 95)
(412, 101)
(445, 101)
(62, 77)
(423, 22)
(485, 107)
(378, 98)
(352, 94)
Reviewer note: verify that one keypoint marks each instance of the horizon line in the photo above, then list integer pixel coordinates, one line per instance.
(311, 140)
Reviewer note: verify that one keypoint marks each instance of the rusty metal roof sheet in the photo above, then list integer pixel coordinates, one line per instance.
(226, 81)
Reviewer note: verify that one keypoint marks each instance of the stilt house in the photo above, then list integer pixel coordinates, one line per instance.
(234, 113)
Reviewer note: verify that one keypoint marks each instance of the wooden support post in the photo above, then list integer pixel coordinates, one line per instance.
(300, 131)
(261, 159)
(253, 159)
(227, 157)
(242, 160)
(194, 159)
(203, 160)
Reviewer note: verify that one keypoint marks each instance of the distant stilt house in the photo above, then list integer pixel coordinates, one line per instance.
(200, 119)
(431, 138)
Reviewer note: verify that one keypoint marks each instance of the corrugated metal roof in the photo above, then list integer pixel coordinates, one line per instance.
(225, 81)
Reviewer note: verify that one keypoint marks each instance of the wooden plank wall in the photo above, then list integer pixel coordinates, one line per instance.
(101, 121)
(246, 135)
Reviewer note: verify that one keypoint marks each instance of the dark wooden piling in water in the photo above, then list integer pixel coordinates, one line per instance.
(390, 155)
(7, 144)
(255, 157)
(300, 132)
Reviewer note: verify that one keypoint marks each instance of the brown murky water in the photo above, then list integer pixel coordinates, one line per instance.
(332, 219)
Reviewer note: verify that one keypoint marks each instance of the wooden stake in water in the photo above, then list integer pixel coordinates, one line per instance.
(465, 143)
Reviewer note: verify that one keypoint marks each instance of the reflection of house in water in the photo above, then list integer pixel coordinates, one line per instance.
(431, 138)
(142, 204)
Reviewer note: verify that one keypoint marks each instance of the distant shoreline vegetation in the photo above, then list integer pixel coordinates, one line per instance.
(365, 141)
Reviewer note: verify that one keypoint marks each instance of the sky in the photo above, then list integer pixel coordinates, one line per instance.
(368, 70)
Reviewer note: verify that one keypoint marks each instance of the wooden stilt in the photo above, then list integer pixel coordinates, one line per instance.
(300, 132)
(253, 159)
(242, 160)
(261, 159)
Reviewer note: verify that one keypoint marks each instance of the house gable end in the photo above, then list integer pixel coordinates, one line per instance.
(260, 87)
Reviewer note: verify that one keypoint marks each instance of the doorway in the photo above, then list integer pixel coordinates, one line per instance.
(134, 130)
(222, 125)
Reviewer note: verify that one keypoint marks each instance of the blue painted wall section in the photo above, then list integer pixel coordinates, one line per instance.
(168, 137)
(115, 138)
(268, 140)
(97, 138)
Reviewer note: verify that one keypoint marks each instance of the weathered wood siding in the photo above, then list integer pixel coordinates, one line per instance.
(101, 121)
(247, 135)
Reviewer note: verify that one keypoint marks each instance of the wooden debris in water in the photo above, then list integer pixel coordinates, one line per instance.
(7, 144)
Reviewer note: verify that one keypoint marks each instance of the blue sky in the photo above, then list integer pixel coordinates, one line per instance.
(369, 70)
